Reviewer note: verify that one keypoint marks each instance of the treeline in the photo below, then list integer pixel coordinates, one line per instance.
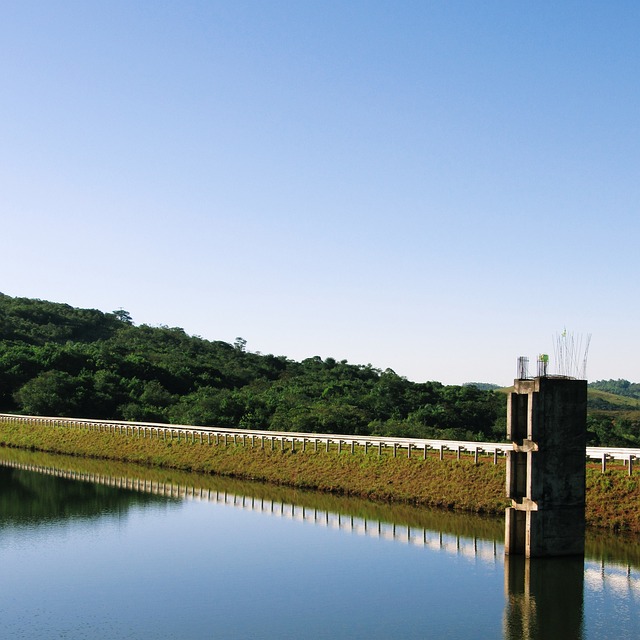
(611, 430)
(59, 360)
(620, 387)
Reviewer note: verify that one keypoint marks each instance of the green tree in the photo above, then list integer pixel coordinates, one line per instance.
(54, 393)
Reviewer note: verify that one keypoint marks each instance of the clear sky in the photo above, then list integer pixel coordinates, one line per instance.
(431, 187)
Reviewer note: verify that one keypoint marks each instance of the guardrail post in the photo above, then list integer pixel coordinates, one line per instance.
(476, 448)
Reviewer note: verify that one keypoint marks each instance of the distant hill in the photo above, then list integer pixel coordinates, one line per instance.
(605, 401)
(484, 386)
(618, 387)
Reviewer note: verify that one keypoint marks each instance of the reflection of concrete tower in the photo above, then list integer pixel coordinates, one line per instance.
(544, 598)
(546, 421)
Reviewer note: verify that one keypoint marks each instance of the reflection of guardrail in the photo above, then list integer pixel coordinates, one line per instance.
(615, 578)
(599, 574)
(472, 548)
(282, 439)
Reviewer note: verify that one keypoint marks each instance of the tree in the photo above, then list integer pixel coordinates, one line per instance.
(123, 316)
(54, 393)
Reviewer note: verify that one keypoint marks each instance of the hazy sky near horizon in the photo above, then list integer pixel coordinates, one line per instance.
(433, 187)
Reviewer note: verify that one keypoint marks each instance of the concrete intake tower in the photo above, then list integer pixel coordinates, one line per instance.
(546, 422)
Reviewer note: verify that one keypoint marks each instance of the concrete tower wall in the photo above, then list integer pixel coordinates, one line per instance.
(546, 421)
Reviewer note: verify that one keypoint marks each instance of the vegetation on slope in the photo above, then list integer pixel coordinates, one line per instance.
(58, 360)
(618, 387)
(613, 420)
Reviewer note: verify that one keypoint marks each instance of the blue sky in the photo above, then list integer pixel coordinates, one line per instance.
(433, 187)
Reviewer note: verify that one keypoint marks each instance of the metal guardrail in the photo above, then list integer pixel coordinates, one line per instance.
(292, 439)
(604, 454)
(272, 439)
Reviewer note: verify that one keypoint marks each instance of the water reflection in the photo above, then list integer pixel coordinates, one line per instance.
(461, 567)
(175, 484)
(543, 598)
(136, 484)
(27, 499)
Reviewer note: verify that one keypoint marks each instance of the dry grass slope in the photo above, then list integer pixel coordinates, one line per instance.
(613, 499)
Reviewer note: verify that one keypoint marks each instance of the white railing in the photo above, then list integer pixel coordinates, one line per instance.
(292, 440)
(281, 439)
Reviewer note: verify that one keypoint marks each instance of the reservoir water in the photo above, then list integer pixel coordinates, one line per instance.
(102, 550)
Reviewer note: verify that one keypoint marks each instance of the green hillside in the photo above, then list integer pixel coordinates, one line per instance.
(59, 360)
(613, 419)
(612, 402)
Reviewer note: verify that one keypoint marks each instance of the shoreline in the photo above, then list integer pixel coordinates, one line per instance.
(613, 498)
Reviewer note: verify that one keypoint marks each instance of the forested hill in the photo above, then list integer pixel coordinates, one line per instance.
(59, 360)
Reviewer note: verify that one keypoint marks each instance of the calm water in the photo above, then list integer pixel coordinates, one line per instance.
(184, 557)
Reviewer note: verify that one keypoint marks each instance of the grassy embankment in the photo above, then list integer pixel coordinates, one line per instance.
(613, 499)
(614, 405)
